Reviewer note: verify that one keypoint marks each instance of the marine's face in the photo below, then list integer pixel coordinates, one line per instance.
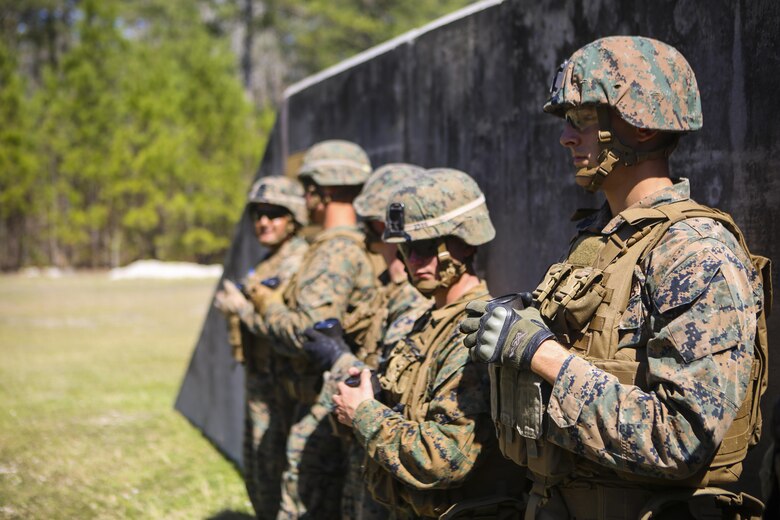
(421, 259)
(580, 136)
(273, 224)
(313, 196)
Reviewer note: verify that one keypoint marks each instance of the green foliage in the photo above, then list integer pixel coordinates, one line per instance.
(127, 132)
(324, 32)
(145, 108)
(19, 189)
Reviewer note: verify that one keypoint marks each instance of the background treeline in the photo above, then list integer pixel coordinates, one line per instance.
(131, 128)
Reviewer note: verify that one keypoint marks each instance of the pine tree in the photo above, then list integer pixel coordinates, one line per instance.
(20, 187)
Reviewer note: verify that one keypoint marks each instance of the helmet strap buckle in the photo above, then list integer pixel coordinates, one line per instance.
(450, 269)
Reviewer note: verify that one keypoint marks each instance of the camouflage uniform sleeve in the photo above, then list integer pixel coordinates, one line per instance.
(325, 285)
(696, 310)
(254, 322)
(440, 451)
(283, 267)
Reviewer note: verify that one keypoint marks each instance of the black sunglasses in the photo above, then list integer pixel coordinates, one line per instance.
(270, 213)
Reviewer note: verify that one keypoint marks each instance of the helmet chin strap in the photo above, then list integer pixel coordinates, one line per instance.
(448, 272)
(613, 152)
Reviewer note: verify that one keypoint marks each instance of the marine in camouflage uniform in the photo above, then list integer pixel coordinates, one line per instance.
(429, 440)
(336, 275)
(278, 211)
(650, 332)
(370, 329)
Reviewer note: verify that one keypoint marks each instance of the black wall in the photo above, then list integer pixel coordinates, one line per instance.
(468, 94)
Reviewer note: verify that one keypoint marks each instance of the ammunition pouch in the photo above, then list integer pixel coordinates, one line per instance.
(517, 408)
(402, 368)
(573, 301)
(235, 339)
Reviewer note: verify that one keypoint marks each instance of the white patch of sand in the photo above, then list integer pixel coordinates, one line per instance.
(158, 270)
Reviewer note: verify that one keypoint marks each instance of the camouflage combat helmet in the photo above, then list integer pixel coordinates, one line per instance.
(442, 202)
(647, 82)
(280, 191)
(335, 163)
(372, 202)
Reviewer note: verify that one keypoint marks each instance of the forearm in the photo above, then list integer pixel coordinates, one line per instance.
(286, 325)
(424, 455)
(548, 360)
(668, 432)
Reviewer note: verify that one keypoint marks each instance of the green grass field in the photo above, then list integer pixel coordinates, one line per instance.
(89, 372)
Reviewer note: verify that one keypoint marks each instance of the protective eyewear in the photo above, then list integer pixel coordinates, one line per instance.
(581, 118)
(420, 248)
(270, 213)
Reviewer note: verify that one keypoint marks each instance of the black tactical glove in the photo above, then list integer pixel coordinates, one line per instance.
(500, 331)
(325, 344)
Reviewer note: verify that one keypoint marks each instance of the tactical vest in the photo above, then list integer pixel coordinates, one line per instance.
(407, 383)
(365, 325)
(584, 300)
(255, 350)
(300, 378)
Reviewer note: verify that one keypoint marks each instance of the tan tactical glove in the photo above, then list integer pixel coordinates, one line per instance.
(230, 300)
(263, 296)
(500, 331)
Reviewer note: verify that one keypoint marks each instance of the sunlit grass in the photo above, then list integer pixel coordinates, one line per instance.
(89, 370)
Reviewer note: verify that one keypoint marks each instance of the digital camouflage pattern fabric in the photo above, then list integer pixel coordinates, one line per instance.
(371, 204)
(662, 361)
(402, 305)
(335, 163)
(649, 83)
(693, 310)
(336, 275)
(442, 202)
(268, 411)
(431, 435)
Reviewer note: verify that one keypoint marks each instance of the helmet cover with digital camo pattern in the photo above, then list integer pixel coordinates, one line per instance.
(280, 191)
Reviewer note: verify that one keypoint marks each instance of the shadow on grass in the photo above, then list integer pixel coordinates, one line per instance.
(231, 515)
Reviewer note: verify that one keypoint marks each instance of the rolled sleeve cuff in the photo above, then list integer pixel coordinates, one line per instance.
(368, 420)
(576, 384)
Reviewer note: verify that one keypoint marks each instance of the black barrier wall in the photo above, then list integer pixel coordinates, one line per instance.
(467, 92)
